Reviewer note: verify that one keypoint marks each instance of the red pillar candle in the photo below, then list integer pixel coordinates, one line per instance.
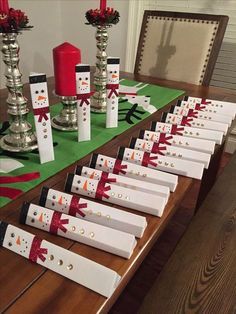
(65, 58)
(103, 5)
(4, 6)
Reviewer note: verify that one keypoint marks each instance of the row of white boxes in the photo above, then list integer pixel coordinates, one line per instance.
(140, 178)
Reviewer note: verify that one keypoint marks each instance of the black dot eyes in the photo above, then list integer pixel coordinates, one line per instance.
(35, 213)
(111, 72)
(80, 79)
(42, 91)
(12, 235)
(115, 71)
(86, 78)
(36, 92)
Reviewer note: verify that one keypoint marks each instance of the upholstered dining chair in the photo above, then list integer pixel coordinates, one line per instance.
(180, 46)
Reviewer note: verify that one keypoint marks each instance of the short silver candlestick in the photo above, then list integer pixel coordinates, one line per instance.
(99, 98)
(20, 137)
(67, 118)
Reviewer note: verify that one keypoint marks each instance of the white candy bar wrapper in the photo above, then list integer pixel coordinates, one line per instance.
(184, 111)
(89, 233)
(82, 73)
(171, 151)
(40, 104)
(201, 112)
(216, 105)
(64, 262)
(187, 131)
(129, 170)
(130, 183)
(199, 145)
(144, 202)
(193, 122)
(169, 164)
(113, 70)
(91, 211)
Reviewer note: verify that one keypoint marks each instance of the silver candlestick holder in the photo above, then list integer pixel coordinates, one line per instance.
(67, 118)
(99, 98)
(20, 137)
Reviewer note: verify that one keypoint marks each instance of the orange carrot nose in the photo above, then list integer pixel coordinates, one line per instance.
(84, 83)
(132, 156)
(105, 163)
(85, 186)
(114, 76)
(144, 145)
(18, 241)
(152, 137)
(41, 98)
(41, 218)
(60, 200)
(92, 175)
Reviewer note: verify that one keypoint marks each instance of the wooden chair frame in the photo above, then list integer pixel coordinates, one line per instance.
(221, 19)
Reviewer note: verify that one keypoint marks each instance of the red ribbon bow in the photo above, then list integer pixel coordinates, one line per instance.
(36, 251)
(199, 107)
(42, 112)
(101, 190)
(163, 139)
(176, 130)
(156, 149)
(84, 98)
(118, 167)
(148, 160)
(57, 223)
(105, 178)
(75, 207)
(113, 88)
(186, 121)
(192, 113)
(205, 102)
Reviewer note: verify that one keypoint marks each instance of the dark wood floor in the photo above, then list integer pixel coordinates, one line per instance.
(132, 297)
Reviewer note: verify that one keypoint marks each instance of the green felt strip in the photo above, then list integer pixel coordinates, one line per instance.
(69, 150)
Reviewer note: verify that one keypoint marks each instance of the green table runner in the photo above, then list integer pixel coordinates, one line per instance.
(68, 150)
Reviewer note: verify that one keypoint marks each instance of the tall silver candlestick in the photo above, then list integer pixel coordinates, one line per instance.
(99, 98)
(20, 137)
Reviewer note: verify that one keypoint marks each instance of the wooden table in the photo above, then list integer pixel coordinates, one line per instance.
(30, 288)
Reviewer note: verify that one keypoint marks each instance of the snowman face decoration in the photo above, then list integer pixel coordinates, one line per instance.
(91, 174)
(39, 91)
(59, 201)
(40, 217)
(112, 74)
(144, 146)
(163, 127)
(135, 155)
(173, 118)
(113, 68)
(105, 163)
(151, 136)
(85, 186)
(83, 79)
(83, 83)
(17, 242)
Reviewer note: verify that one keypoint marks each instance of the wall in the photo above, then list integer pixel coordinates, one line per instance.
(56, 21)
